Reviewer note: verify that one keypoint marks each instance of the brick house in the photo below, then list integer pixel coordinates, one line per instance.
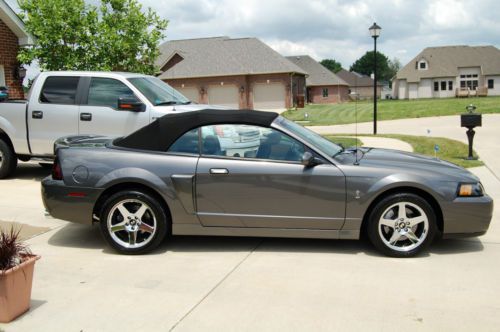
(359, 84)
(323, 86)
(12, 36)
(240, 73)
(449, 71)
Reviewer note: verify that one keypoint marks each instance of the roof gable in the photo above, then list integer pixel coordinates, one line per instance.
(14, 23)
(318, 74)
(222, 56)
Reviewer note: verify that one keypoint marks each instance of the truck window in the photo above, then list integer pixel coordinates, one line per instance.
(106, 91)
(59, 90)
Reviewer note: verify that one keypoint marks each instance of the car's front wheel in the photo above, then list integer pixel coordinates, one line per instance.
(133, 222)
(8, 160)
(402, 225)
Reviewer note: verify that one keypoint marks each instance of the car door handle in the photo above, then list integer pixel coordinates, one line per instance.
(86, 116)
(219, 171)
(37, 115)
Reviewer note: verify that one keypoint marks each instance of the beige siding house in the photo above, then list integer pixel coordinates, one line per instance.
(240, 73)
(449, 71)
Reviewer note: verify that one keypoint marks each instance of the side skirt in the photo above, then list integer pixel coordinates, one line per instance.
(193, 229)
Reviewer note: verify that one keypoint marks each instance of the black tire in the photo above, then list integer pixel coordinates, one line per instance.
(8, 160)
(154, 217)
(409, 235)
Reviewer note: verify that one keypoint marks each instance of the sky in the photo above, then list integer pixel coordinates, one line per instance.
(334, 28)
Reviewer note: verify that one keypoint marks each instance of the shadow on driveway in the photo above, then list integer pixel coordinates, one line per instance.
(31, 171)
(89, 237)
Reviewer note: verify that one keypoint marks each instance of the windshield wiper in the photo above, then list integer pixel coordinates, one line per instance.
(166, 103)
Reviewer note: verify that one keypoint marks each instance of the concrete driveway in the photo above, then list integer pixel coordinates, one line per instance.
(251, 284)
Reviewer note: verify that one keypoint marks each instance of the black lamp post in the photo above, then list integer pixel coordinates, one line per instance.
(375, 32)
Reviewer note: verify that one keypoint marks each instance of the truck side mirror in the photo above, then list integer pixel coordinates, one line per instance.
(130, 103)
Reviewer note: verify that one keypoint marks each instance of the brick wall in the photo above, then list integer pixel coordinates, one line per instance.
(336, 94)
(9, 47)
(245, 84)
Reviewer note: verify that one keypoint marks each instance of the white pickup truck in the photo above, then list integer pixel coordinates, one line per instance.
(78, 103)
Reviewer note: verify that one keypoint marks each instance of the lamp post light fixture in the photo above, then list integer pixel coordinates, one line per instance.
(375, 32)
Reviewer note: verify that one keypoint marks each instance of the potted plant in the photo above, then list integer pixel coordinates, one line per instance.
(16, 275)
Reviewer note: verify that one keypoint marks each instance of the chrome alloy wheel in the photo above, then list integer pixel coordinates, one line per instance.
(131, 223)
(403, 226)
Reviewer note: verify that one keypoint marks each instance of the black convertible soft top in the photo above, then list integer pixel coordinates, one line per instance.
(162, 133)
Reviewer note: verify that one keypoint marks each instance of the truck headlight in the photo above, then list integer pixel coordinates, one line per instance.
(470, 190)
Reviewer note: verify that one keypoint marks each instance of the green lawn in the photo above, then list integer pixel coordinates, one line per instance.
(330, 114)
(449, 150)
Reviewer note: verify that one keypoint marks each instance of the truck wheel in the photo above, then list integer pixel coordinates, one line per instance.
(8, 160)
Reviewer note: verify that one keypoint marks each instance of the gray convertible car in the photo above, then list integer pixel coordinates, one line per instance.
(271, 177)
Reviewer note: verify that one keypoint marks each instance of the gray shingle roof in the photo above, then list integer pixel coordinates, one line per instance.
(444, 62)
(318, 74)
(222, 56)
(355, 79)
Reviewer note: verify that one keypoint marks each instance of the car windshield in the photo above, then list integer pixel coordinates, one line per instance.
(158, 92)
(319, 142)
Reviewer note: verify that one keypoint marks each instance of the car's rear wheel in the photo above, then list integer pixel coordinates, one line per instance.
(402, 225)
(133, 222)
(8, 160)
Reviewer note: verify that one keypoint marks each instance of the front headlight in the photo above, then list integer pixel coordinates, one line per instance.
(470, 190)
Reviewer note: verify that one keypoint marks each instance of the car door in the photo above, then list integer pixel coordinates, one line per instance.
(53, 114)
(99, 113)
(262, 183)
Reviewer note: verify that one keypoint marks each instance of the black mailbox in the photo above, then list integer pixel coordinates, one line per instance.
(470, 120)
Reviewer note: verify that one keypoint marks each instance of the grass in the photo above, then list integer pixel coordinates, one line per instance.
(344, 141)
(331, 114)
(449, 150)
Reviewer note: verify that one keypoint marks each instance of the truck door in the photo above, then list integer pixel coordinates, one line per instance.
(99, 113)
(53, 113)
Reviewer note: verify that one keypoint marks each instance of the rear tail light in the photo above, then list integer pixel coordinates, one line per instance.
(56, 170)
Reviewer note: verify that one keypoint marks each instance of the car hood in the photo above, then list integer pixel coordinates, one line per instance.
(407, 161)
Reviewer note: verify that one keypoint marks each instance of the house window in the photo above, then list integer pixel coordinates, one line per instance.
(450, 85)
(325, 92)
(423, 65)
(474, 75)
(462, 76)
(436, 86)
(443, 85)
(462, 84)
(491, 84)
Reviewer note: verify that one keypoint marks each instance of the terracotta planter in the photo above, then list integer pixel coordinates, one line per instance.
(15, 289)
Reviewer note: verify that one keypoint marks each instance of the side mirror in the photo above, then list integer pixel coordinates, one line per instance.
(130, 103)
(308, 160)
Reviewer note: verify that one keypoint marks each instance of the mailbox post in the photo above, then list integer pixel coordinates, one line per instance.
(470, 120)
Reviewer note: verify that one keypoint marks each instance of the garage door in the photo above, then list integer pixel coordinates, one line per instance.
(224, 95)
(269, 96)
(191, 93)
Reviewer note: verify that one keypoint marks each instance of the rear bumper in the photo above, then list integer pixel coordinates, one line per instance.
(467, 216)
(74, 204)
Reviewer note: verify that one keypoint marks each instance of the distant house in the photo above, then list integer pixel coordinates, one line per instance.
(323, 86)
(359, 84)
(12, 35)
(239, 73)
(448, 71)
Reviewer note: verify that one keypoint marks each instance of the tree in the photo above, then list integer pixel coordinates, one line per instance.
(333, 65)
(116, 35)
(394, 67)
(364, 65)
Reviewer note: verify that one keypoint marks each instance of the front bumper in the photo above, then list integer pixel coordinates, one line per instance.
(75, 204)
(467, 216)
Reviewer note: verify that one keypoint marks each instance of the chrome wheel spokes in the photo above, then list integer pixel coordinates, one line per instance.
(131, 223)
(403, 226)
